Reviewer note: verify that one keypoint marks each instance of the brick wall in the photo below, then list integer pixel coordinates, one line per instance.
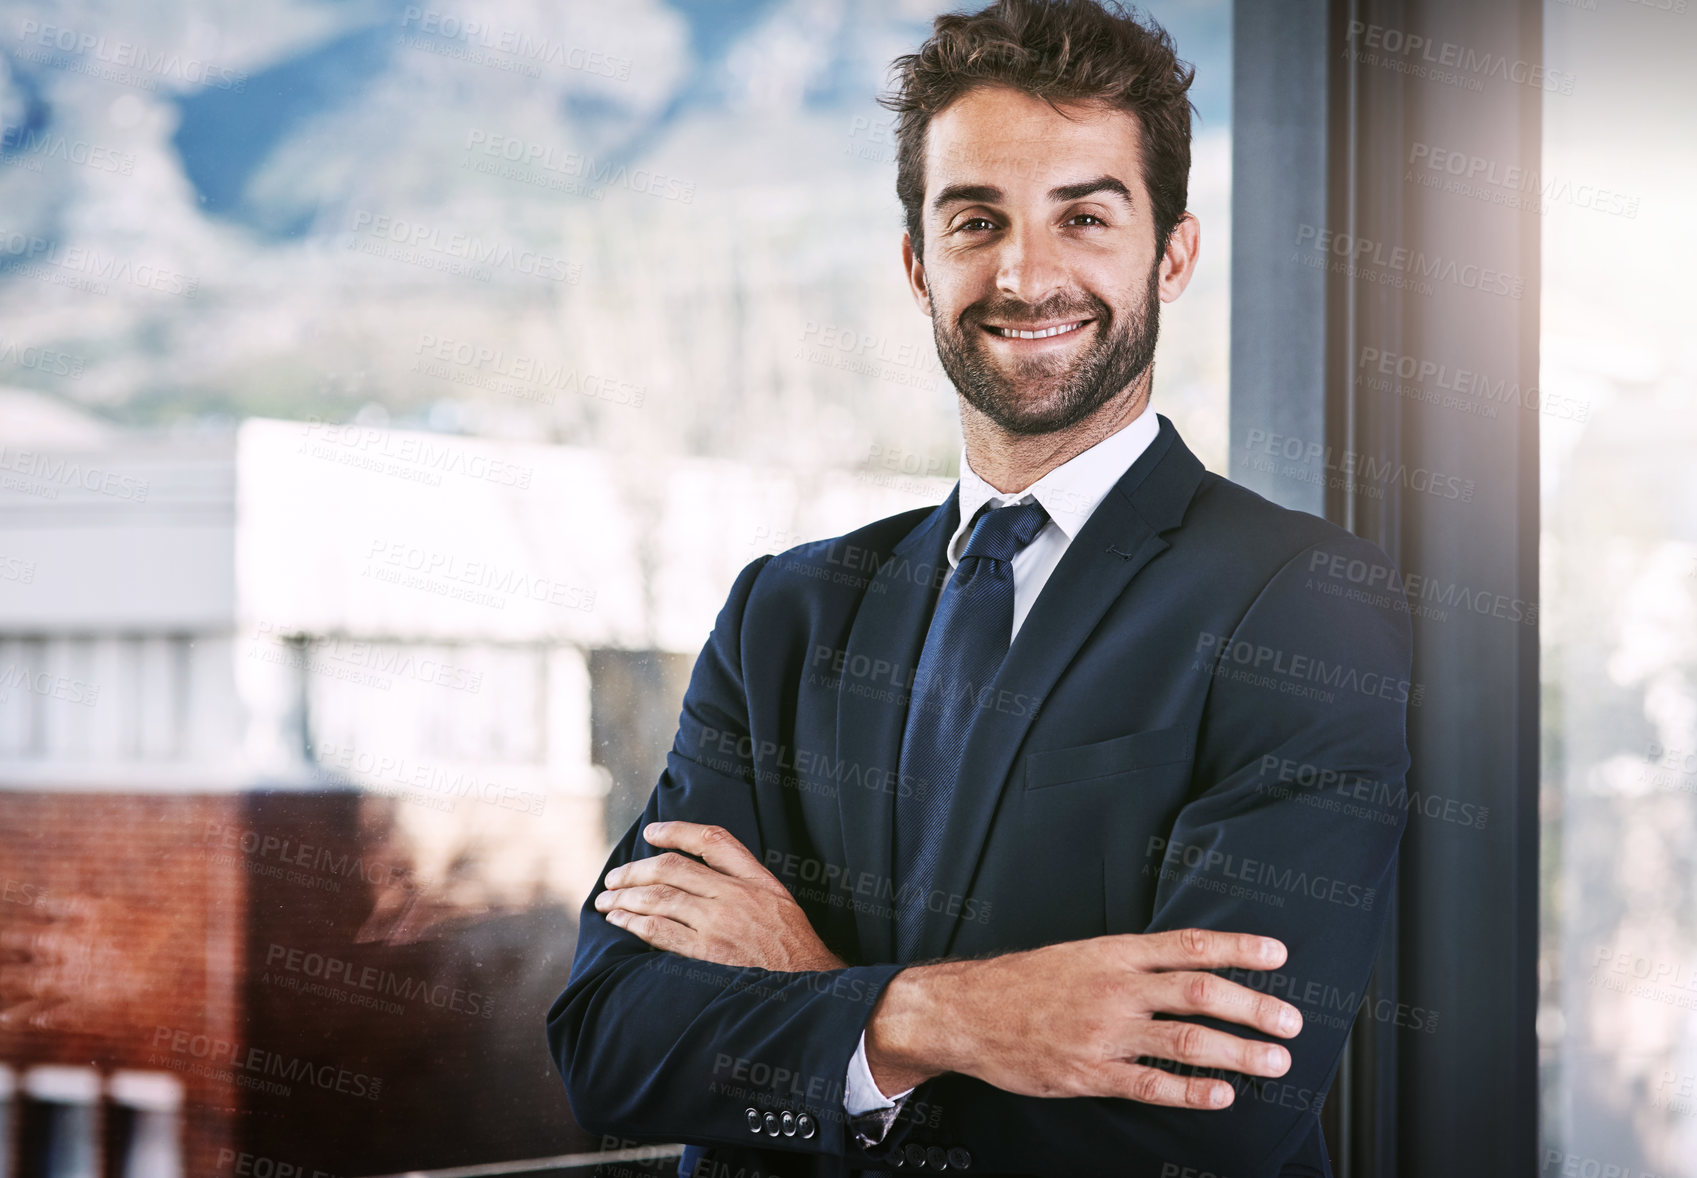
(120, 930)
(276, 951)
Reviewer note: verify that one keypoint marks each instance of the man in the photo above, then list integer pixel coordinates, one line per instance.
(1009, 836)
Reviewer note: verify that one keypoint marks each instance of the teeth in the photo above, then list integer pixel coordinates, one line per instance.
(1015, 333)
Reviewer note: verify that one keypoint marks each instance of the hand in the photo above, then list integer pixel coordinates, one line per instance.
(1072, 1019)
(729, 910)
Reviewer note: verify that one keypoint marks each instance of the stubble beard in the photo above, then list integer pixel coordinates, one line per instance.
(1043, 394)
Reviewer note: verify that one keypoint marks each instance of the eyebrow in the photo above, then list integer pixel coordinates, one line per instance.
(990, 194)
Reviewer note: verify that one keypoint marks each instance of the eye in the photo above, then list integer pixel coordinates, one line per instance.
(1088, 216)
(971, 221)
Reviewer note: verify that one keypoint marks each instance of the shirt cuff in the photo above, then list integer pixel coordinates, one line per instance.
(871, 1109)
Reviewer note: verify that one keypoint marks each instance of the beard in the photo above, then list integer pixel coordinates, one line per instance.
(1043, 394)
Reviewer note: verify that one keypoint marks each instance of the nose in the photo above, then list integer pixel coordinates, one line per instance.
(1030, 267)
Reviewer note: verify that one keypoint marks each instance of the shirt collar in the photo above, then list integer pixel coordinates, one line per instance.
(1070, 492)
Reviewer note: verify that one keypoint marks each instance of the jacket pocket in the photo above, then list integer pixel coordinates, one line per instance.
(1114, 757)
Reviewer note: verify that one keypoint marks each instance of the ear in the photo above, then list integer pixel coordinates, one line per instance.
(1178, 260)
(914, 268)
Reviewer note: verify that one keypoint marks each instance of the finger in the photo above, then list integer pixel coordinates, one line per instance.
(666, 868)
(1203, 993)
(658, 931)
(1192, 1043)
(1202, 948)
(1147, 1085)
(653, 900)
(718, 846)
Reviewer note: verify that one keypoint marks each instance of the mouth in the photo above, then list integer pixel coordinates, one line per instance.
(1037, 332)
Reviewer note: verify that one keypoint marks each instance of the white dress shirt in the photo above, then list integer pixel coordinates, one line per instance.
(1069, 493)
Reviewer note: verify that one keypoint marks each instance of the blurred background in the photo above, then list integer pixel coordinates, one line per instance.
(389, 395)
(1617, 1018)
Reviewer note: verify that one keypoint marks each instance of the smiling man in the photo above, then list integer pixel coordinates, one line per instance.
(1042, 831)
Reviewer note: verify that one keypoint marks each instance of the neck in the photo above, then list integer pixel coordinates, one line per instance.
(1011, 462)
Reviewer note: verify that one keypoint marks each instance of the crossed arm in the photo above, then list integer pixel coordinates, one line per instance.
(636, 1033)
(1064, 1020)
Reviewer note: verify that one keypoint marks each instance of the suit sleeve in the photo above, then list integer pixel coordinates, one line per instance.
(654, 1045)
(1291, 831)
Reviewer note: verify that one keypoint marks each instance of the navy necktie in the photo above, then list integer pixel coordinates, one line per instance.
(969, 637)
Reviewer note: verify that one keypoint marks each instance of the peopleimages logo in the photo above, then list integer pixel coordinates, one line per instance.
(421, 779)
(1332, 1005)
(250, 1066)
(47, 361)
(337, 973)
(1288, 667)
(99, 51)
(868, 676)
(1425, 375)
(383, 229)
(1510, 184)
(1402, 590)
(86, 268)
(249, 1165)
(517, 375)
(36, 145)
(312, 857)
(1358, 469)
(583, 172)
(56, 472)
(1198, 859)
(417, 457)
(1363, 252)
(841, 887)
(1421, 56)
(523, 48)
(449, 572)
(1361, 796)
(810, 770)
(48, 686)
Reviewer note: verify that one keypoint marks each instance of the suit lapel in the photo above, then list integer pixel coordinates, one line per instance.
(1121, 536)
(887, 636)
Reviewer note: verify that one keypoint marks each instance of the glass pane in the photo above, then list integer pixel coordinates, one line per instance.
(389, 395)
(1617, 1024)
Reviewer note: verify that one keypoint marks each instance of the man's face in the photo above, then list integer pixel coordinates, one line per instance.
(1038, 221)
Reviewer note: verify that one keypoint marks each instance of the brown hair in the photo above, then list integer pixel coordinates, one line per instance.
(1060, 51)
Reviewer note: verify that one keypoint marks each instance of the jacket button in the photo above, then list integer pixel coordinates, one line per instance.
(771, 1124)
(787, 1121)
(915, 1154)
(804, 1125)
(754, 1122)
(936, 1158)
(959, 1157)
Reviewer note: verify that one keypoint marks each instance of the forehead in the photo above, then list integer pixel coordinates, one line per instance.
(1004, 137)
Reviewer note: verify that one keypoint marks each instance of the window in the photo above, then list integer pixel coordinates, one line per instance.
(1617, 1030)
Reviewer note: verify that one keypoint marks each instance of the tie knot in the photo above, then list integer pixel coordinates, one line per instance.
(1002, 531)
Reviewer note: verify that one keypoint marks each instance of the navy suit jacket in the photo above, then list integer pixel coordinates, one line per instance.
(1200, 723)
